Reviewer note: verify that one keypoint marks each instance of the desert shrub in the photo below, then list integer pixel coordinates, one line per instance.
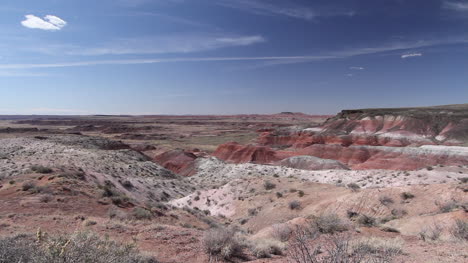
(252, 211)
(406, 196)
(28, 186)
(338, 248)
(448, 207)
(329, 223)
(429, 168)
(127, 184)
(294, 205)
(41, 169)
(354, 187)
(264, 248)
(141, 214)
(222, 243)
(431, 233)
(281, 232)
(279, 195)
(385, 200)
(269, 185)
(378, 246)
(366, 220)
(78, 247)
(46, 198)
(460, 230)
(89, 222)
(399, 213)
(300, 193)
(463, 180)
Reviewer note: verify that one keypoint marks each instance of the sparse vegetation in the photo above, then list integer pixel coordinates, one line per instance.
(339, 248)
(281, 232)
(460, 230)
(80, 248)
(329, 223)
(294, 205)
(141, 214)
(41, 169)
(269, 185)
(366, 220)
(354, 187)
(431, 233)
(385, 200)
(222, 243)
(264, 248)
(407, 195)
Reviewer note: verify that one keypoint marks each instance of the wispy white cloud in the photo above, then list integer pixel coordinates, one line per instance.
(410, 55)
(349, 75)
(266, 60)
(456, 6)
(356, 68)
(183, 43)
(281, 8)
(51, 23)
(14, 74)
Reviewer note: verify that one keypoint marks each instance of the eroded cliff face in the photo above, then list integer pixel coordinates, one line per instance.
(399, 139)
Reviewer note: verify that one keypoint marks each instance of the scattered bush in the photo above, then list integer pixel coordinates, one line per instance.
(264, 248)
(339, 248)
(378, 246)
(448, 207)
(46, 198)
(354, 187)
(141, 214)
(41, 169)
(431, 233)
(301, 193)
(366, 220)
(79, 248)
(406, 196)
(252, 212)
(385, 200)
(463, 180)
(295, 205)
(281, 232)
(28, 186)
(279, 195)
(460, 230)
(269, 185)
(329, 223)
(222, 243)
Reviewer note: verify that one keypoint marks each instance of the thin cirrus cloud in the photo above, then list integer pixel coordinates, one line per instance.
(49, 22)
(166, 44)
(356, 68)
(411, 55)
(456, 6)
(278, 8)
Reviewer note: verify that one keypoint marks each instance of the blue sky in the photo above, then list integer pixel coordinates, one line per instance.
(230, 56)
